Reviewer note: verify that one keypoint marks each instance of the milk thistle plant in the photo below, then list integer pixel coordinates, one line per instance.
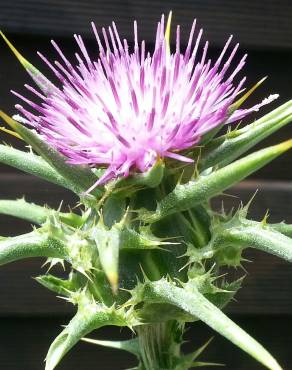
(137, 136)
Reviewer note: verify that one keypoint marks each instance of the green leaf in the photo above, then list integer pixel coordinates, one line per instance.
(257, 236)
(108, 245)
(133, 240)
(113, 210)
(186, 196)
(131, 345)
(225, 149)
(32, 164)
(225, 294)
(80, 178)
(194, 303)
(201, 224)
(90, 316)
(35, 213)
(33, 244)
(151, 178)
(109, 242)
(59, 286)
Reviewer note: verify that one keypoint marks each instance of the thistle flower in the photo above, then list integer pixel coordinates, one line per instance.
(127, 108)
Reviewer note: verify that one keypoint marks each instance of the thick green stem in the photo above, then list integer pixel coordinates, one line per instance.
(159, 346)
(35, 213)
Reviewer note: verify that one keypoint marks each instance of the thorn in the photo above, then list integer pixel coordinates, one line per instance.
(230, 195)
(222, 209)
(186, 265)
(60, 206)
(67, 299)
(247, 206)
(83, 272)
(146, 279)
(179, 181)
(246, 260)
(243, 268)
(266, 216)
(126, 290)
(123, 221)
(180, 282)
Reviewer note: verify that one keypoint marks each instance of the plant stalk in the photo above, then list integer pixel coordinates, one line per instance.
(159, 345)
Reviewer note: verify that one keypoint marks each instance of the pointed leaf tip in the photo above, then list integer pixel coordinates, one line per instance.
(113, 278)
(130, 345)
(241, 100)
(43, 83)
(108, 245)
(286, 145)
(10, 132)
(20, 58)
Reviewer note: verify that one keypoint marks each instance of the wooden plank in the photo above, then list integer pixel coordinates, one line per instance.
(249, 21)
(24, 344)
(267, 289)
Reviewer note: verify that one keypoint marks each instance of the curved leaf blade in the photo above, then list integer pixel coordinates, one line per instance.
(58, 285)
(24, 210)
(186, 196)
(35, 213)
(33, 244)
(89, 317)
(225, 149)
(32, 164)
(260, 237)
(194, 303)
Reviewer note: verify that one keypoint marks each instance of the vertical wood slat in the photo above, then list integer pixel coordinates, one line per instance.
(253, 22)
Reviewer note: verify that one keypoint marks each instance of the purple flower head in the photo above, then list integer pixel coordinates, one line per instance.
(126, 108)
